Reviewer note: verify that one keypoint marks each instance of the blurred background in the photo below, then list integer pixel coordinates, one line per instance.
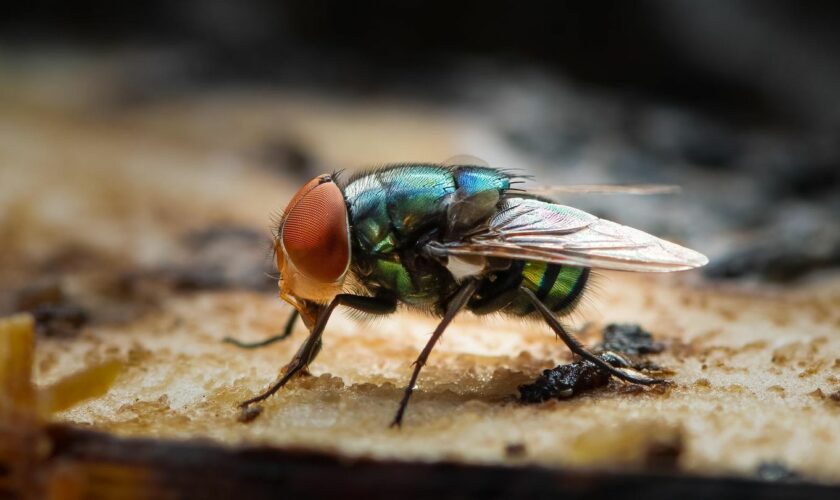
(164, 134)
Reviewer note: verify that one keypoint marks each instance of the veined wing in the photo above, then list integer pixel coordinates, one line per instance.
(529, 229)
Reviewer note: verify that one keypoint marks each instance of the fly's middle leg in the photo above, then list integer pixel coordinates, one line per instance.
(458, 301)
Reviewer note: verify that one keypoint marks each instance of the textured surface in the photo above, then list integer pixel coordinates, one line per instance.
(748, 390)
(123, 207)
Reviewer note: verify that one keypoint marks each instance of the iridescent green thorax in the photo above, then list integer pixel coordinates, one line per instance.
(390, 205)
(391, 209)
(415, 289)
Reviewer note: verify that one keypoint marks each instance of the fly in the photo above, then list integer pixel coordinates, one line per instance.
(447, 238)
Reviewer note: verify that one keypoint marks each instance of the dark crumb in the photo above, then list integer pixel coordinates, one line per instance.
(835, 396)
(249, 413)
(563, 381)
(629, 338)
(59, 319)
(776, 472)
(54, 314)
(515, 450)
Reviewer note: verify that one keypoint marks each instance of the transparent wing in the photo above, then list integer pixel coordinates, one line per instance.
(535, 230)
(475, 161)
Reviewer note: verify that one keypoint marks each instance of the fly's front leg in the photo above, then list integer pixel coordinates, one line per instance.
(287, 331)
(301, 359)
(577, 348)
(459, 300)
(312, 345)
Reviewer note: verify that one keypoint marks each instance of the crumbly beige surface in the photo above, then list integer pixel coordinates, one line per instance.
(752, 379)
(754, 368)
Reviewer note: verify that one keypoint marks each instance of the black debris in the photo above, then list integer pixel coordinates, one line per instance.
(59, 319)
(53, 311)
(563, 382)
(629, 338)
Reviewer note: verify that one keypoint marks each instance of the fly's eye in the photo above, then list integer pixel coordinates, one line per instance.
(315, 230)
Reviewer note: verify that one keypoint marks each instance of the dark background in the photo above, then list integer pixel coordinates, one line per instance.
(749, 60)
(739, 102)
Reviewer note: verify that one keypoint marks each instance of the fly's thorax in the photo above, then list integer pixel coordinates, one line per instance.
(313, 244)
(390, 207)
(397, 212)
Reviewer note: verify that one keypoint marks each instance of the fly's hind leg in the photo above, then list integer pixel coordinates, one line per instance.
(576, 347)
(287, 331)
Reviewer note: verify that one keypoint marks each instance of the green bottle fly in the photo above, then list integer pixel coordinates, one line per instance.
(443, 238)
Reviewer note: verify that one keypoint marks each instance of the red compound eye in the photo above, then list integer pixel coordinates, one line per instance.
(314, 231)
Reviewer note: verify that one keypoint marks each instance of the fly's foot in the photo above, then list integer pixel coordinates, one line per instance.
(248, 413)
(617, 360)
(290, 371)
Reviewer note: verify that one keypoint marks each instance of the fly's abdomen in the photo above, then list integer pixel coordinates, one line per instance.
(559, 287)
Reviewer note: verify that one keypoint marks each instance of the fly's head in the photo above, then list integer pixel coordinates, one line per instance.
(313, 247)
